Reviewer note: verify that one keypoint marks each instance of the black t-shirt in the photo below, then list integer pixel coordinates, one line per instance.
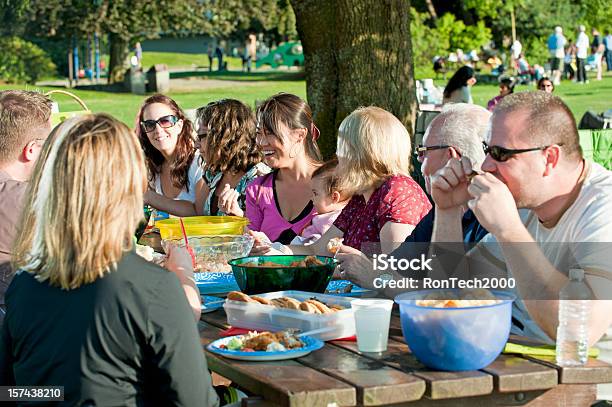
(127, 339)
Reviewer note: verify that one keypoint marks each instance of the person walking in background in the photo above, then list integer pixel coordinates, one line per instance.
(556, 47)
(607, 41)
(570, 53)
(138, 53)
(210, 55)
(219, 56)
(458, 88)
(597, 49)
(582, 46)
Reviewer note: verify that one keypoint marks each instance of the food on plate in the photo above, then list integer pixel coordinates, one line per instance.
(334, 244)
(264, 342)
(475, 297)
(311, 305)
(309, 261)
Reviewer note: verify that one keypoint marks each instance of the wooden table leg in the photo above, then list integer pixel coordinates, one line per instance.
(567, 395)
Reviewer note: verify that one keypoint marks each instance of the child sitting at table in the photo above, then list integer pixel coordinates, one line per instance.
(327, 201)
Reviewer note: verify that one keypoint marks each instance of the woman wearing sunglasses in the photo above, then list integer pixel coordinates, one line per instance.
(232, 159)
(172, 159)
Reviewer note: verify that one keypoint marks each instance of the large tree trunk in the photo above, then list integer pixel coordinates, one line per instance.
(119, 59)
(357, 53)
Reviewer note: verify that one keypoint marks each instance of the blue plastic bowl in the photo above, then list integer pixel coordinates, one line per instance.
(455, 339)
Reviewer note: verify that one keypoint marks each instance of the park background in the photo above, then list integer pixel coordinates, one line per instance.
(340, 73)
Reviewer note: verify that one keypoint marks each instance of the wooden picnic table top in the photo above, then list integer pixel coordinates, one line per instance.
(338, 373)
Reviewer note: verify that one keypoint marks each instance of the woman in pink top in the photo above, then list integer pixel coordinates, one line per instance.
(373, 166)
(279, 204)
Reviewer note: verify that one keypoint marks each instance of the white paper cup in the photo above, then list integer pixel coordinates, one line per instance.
(372, 318)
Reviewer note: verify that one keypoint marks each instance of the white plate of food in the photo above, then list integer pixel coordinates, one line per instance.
(265, 346)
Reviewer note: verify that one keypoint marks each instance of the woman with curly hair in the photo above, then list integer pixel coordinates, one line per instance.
(226, 130)
(172, 160)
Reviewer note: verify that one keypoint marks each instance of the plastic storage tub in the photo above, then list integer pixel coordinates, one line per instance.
(201, 226)
(455, 339)
(262, 317)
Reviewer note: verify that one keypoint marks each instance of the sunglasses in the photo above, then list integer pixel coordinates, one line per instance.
(503, 154)
(420, 150)
(164, 122)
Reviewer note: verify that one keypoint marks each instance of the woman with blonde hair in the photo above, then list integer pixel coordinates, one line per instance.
(373, 167)
(84, 310)
(232, 159)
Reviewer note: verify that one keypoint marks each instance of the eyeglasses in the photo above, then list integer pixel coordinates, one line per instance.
(164, 122)
(420, 150)
(503, 154)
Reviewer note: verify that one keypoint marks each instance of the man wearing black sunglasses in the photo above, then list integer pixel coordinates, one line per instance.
(534, 162)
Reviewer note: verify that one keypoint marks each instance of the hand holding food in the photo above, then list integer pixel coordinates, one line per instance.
(449, 184)
(228, 201)
(334, 245)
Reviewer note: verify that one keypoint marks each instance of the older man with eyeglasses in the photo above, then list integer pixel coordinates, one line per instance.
(534, 163)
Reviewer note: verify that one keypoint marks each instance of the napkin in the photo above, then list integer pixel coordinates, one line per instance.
(544, 350)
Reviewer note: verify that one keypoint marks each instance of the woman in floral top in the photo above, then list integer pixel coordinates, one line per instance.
(226, 130)
(373, 166)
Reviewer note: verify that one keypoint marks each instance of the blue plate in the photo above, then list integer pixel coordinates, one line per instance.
(215, 283)
(310, 343)
(211, 303)
(336, 287)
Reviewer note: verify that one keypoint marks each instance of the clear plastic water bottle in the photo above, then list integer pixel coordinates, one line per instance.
(574, 314)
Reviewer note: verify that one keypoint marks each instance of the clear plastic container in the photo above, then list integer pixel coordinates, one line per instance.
(340, 324)
(574, 313)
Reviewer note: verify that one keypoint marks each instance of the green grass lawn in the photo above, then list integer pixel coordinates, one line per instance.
(177, 60)
(595, 96)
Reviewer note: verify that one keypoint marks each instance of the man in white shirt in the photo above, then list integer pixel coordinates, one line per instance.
(534, 161)
(582, 49)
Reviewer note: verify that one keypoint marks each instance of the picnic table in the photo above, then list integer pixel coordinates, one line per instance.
(338, 374)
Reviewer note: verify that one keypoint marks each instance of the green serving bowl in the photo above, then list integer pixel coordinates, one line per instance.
(255, 279)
